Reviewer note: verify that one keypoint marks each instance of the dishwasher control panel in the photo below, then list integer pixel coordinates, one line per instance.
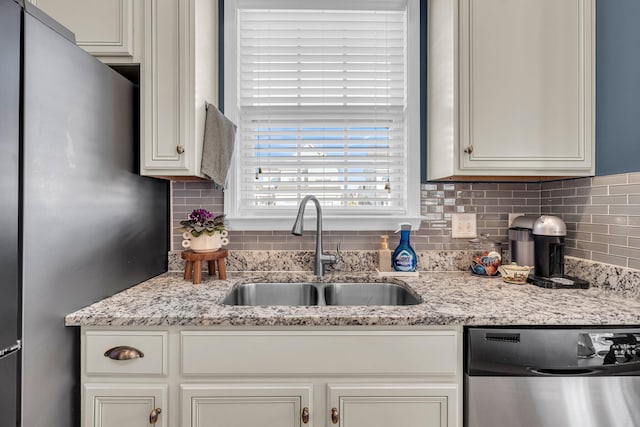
(552, 351)
(614, 348)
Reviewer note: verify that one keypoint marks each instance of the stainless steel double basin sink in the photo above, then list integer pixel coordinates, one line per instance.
(311, 293)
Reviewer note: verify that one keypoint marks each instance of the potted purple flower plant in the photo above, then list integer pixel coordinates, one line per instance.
(203, 231)
(202, 221)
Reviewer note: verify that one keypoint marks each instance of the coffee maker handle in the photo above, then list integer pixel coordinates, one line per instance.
(557, 259)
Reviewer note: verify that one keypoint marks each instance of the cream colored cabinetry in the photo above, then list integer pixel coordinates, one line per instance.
(108, 29)
(361, 377)
(175, 42)
(347, 405)
(408, 405)
(265, 405)
(346, 377)
(511, 88)
(124, 405)
(179, 73)
(124, 375)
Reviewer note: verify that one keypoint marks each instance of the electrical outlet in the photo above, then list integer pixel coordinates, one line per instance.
(513, 216)
(463, 225)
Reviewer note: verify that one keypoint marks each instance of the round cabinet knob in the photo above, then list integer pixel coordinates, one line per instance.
(153, 416)
(305, 415)
(179, 149)
(469, 149)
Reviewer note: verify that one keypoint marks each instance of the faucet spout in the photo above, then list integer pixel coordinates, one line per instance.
(321, 259)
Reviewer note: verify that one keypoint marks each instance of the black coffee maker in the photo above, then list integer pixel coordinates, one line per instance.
(548, 244)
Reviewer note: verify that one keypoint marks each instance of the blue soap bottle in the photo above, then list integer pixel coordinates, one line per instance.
(404, 257)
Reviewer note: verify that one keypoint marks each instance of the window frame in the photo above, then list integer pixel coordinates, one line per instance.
(413, 118)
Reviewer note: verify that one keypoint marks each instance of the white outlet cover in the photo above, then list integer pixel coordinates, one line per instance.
(463, 225)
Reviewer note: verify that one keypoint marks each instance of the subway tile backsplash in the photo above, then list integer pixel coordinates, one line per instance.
(491, 202)
(602, 216)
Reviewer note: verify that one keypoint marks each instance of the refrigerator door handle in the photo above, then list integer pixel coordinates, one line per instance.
(7, 351)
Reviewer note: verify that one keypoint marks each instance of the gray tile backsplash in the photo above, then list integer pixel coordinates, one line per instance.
(492, 202)
(602, 216)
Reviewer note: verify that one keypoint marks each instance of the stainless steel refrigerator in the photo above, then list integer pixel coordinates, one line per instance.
(77, 222)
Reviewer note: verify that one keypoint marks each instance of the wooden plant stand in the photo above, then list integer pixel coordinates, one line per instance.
(193, 265)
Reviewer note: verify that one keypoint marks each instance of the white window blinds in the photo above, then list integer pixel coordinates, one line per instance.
(321, 101)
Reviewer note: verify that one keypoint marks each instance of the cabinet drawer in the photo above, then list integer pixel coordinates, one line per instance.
(152, 346)
(319, 352)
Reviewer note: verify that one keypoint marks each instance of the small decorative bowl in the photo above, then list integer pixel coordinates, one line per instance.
(514, 273)
(486, 263)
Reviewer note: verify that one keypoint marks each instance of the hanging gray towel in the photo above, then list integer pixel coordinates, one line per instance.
(217, 147)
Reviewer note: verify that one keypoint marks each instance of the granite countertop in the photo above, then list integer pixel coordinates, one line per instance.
(455, 298)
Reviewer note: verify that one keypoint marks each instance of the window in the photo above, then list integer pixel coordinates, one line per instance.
(325, 96)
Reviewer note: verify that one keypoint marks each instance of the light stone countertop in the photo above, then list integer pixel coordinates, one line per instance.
(450, 298)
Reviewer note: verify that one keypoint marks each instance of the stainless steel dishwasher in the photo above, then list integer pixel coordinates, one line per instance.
(535, 377)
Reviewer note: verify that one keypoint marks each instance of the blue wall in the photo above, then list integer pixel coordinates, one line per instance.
(617, 86)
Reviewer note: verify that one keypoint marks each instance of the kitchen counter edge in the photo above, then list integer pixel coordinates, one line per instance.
(450, 298)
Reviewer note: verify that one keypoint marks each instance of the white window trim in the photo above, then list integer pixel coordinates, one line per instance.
(334, 222)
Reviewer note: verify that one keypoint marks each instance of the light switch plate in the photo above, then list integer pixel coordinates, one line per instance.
(463, 225)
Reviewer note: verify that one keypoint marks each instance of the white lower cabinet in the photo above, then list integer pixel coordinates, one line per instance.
(124, 405)
(406, 405)
(345, 405)
(228, 405)
(274, 377)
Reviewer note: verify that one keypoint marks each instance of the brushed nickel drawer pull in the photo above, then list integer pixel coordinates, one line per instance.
(123, 352)
(335, 416)
(305, 415)
(153, 416)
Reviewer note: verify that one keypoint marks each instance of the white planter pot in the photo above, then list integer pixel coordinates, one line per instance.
(204, 242)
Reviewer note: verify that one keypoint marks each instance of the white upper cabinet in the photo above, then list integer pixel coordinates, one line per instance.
(176, 44)
(108, 29)
(179, 73)
(511, 88)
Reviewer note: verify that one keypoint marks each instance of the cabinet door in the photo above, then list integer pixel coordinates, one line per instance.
(125, 405)
(384, 405)
(526, 85)
(179, 73)
(264, 405)
(163, 91)
(104, 28)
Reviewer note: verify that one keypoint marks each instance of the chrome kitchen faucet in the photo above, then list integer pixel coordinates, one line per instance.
(321, 258)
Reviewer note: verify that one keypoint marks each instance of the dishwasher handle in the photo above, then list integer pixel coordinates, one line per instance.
(486, 369)
(508, 370)
(564, 372)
